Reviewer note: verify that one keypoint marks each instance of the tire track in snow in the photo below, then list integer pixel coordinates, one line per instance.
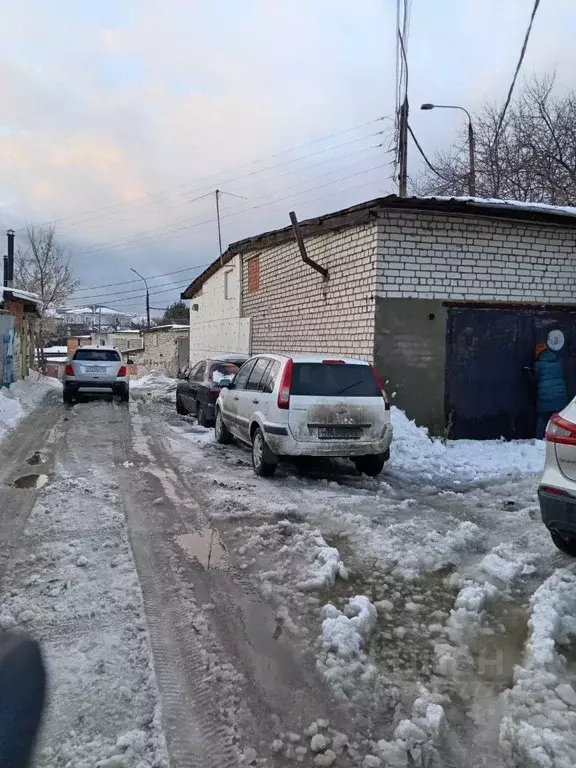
(283, 692)
(193, 726)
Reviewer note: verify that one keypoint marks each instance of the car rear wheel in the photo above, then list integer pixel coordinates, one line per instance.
(125, 396)
(67, 397)
(565, 542)
(223, 436)
(264, 461)
(203, 420)
(180, 408)
(370, 465)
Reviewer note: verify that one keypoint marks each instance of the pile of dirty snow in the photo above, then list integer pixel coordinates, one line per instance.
(539, 728)
(22, 397)
(454, 463)
(157, 379)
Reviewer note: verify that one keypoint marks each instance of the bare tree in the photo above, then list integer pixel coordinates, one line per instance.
(533, 157)
(42, 267)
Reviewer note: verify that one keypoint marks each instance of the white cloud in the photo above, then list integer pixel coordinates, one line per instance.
(101, 106)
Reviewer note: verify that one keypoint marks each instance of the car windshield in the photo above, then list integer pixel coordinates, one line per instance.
(223, 371)
(333, 379)
(97, 355)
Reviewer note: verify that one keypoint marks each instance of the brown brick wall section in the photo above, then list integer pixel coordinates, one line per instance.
(296, 310)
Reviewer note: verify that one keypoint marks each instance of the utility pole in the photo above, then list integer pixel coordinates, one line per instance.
(218, 193)
(147, 297)
(403, 149)
(10, 261)
(471, 143)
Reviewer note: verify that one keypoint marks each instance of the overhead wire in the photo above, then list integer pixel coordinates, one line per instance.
(188, 226)
(213, 176)
(90, 223)
(136, 280)
(419, 148)
(516, 71)
(309, 200)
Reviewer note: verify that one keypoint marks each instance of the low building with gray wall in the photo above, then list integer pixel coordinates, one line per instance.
(447, 297)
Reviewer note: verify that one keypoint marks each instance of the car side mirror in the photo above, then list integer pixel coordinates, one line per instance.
(226, 384)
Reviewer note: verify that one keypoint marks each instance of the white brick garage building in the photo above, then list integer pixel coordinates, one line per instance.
(447, 297)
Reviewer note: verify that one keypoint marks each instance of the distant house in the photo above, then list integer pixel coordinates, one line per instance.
(447, 297)
(164, 347)
(122, 339)
(94, 317)
(19, 314)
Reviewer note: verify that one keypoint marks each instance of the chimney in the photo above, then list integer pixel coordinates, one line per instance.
(10, 235)
(5, 260)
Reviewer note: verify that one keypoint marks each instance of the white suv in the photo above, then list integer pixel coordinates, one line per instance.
(306, 406)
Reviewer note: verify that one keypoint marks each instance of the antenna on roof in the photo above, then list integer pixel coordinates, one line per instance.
(218, 193)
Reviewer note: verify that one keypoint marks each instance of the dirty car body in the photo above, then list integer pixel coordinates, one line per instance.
(95, 370)
(308, 406)
(557, 488)
(198, 388)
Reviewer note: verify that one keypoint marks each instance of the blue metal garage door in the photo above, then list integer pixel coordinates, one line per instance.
(488, 393)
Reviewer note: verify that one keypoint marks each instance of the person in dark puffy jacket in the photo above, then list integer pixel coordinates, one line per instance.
(551, 392)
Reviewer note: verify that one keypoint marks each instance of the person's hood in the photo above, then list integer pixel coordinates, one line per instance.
(548, 356)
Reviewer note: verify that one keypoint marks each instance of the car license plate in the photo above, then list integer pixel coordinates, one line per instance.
(339, 433)
(94, 369)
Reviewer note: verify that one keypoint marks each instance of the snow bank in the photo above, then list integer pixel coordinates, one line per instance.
(157, 379)
(416, 456)
(22, 397)
(539, 728)
(342, 660)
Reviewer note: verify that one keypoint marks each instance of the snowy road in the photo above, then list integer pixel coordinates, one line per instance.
(192, 613)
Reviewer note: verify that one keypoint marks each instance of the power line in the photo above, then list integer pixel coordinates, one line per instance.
(516, 71)
(91, 225)
(126, 282)
(129, 293)
(183, 231)
(214, 175)
(153, 237)
(428, 163)
(309, 200)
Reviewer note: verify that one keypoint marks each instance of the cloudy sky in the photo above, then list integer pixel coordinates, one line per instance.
(120, 118)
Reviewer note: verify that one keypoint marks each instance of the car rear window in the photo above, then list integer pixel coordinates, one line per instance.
(97, 355)
(333, 380)
(223, 371)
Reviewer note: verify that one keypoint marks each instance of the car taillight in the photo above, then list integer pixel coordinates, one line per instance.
(561, 431)
(381, 386)
(553, 491)
(69, 371)
(122, 371)
(285, 383)
(334, 362)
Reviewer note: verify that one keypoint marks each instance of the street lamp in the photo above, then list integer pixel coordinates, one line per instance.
(147, 297)
(472, 173)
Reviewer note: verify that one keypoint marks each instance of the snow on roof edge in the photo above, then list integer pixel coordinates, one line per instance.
(494, 202)
(25, 295)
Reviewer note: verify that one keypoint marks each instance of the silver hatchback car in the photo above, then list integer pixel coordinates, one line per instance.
(95, 371)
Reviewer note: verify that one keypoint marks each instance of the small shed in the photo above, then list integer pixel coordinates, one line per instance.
(19, 315)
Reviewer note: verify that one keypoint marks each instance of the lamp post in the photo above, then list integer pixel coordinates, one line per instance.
(472, 171)
(147, 297)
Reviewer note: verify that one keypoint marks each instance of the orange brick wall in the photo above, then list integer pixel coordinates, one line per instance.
(74, 342)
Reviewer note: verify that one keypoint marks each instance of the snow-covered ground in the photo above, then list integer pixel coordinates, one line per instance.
(419, 584)
(22, 397)
(438, 615)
